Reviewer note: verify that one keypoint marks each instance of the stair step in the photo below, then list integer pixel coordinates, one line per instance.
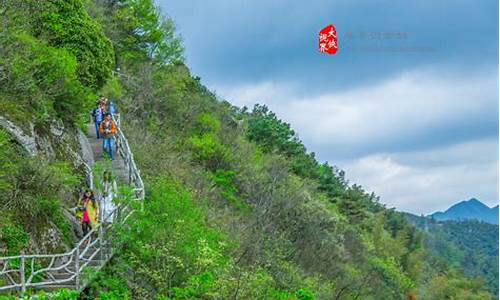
(60, 276)
(92, 248)
(121, 170)
(51, 288)
(69, 268)
(94, 263)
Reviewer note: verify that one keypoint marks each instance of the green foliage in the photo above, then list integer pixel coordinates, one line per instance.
(64, 294)
(270, 132)
(115, 289)
(331, 181)
(66, 24)
(169, 243)
(274, 135)
(451, 286)
(13, 237)
(224, 180)
(35, 186)
(147, 35)
(352, 204)
(61, 294)
(30, 196)
(308, 234)
(207, 149)
(304, 294)
(173, 254)
(205, 144)
(391, 273)
(207, 123)
(468, 245)
(112, 89)
(7, 166)
(40, 79)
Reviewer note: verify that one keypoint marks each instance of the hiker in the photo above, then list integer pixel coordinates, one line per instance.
(109, 192)
(104, 101)
(87, 209)
(111, 108)
(103, 105)
(98, 114)
(107, 129)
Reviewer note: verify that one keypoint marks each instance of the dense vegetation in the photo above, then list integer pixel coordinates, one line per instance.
(45, 77)
(469, 245)
(236, 206)
(29, 202)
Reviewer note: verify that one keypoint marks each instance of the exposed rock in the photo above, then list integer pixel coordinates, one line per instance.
(51, 237)
(75, 223)
(44, 146)
(57, 128)
(85, 148)
(54, 142)
(28, 142)
(85, 156)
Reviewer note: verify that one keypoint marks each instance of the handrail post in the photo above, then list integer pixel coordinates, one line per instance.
(105, 235)
(21, 274)
(77, 267)
(129, 168)
(91, 178)
(101, 219)
(101, 243)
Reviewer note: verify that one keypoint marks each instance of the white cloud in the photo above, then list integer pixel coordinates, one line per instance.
(385, 126)
(401, 108)
(431, 180)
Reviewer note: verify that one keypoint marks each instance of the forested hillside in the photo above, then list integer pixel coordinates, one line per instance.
(236, 208)
(470, 245)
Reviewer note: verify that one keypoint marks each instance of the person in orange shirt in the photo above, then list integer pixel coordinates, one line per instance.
(107, 128)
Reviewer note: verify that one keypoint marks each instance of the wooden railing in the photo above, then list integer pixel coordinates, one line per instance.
(72, 269)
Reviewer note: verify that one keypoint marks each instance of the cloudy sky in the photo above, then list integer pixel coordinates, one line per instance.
(408, 106)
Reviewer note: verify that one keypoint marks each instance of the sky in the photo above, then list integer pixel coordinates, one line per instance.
(408, 106)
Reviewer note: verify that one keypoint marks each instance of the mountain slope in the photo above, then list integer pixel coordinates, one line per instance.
(469, 245)
(467, 210)
(237, 207)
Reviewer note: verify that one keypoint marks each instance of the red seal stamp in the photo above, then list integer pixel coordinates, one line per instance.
(328, 40)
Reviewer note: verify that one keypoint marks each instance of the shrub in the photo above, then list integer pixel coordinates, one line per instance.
(207, 150)
(224, 181)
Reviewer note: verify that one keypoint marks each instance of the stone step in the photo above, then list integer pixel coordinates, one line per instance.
(54, 287)
(93, 263)
(62, 276)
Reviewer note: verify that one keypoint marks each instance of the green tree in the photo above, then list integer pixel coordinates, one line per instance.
(66, 24)
(40, 79)
(145, 34)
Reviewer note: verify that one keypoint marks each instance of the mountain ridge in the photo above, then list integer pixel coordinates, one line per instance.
(468, 210)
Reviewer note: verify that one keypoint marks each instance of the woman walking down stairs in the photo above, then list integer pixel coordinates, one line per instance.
(70, 270)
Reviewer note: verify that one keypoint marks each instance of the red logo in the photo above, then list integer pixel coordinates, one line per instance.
(328, 40)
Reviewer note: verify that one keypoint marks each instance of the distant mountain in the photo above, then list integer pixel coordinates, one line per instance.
(468, 210)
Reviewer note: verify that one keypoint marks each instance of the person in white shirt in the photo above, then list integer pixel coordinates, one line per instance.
(109, 192)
